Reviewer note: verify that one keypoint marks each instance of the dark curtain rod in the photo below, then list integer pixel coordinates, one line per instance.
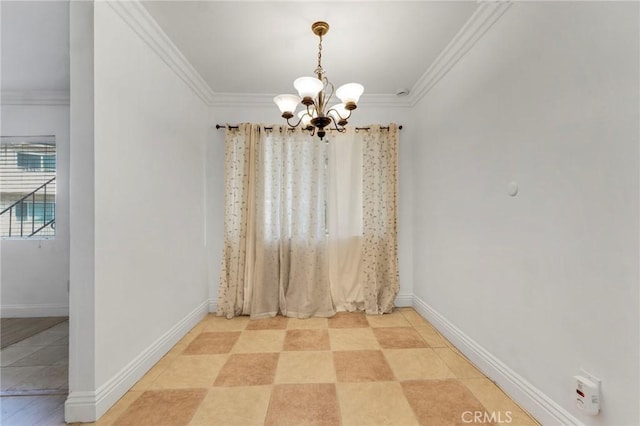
(224, 126)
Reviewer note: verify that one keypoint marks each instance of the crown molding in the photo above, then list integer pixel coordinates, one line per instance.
(138, 18)
(486, 14)
(34, 97)
(229, 99)
(263, 100)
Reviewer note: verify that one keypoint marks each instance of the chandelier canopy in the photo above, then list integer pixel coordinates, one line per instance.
(315, 94)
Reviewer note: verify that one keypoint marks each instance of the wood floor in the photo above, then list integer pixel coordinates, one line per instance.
(13, 330)
(34, 378)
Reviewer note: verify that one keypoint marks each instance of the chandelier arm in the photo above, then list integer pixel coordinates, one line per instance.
(338, 114)
(294, 125)
(327, 99)
(337, 125)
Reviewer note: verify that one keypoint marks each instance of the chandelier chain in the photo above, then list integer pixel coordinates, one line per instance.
(319, 70)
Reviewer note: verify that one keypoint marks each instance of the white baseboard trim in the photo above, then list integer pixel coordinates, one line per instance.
(213, 306)
(34, 310)
(88, 406)
(532, 399)
(404, 301)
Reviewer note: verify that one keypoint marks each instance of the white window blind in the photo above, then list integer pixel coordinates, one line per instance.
(27, 186)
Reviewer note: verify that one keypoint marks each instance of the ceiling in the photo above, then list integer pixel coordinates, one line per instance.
(255, 47)
(261, 47)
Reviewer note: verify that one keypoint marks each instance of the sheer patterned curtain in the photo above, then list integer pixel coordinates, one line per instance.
(275, 188)
(280, 200)
(362, 219)
(380, 282)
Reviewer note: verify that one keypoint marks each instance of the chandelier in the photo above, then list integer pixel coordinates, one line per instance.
(315, 93)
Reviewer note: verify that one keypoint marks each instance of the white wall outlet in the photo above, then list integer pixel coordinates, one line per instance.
(587, 393)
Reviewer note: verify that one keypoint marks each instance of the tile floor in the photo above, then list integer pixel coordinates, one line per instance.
(351, 369)
(34, 378)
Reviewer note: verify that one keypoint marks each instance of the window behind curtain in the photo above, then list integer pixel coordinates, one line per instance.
(27, 186)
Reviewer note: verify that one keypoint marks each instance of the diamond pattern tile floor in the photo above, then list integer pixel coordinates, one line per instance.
(352, 369)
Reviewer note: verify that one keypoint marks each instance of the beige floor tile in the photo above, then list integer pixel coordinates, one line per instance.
(214, 323)
(276, 323)
(306, 340)
(374, 403)
(462, 368)
(252, 369)
(212, 342)
(348, 320)
(118, 408)
(440, 402)
(346, 339)
(197, 329)
(307, 323)
(414, 318)
(244, 405)
(394, 319)
(432, 337)
(306, 367)
(496, 401)
(146, 380)
(417, 364)
(190, 371)
(183, 343)
(362, 366)
(303, 404)
(259, 341)
(399, 338)
(173, 407)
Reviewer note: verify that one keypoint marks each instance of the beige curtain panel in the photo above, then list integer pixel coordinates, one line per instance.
(310, 226)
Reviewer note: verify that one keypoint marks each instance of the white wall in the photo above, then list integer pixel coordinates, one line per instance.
(269, 114)
(80, 405)
(150, 135)
(35, 272)
(143, 179)
(546, 281)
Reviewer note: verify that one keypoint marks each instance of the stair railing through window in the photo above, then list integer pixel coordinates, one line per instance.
(27, 186)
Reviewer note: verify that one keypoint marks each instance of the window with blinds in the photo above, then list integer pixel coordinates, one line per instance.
(27, 186)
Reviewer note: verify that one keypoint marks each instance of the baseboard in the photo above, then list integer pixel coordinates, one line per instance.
(532, 399)
(88, 406)
(34, 310)
(404, 300)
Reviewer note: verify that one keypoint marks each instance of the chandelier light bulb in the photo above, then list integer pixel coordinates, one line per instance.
(308, 87)
(350, 93)
(287, 103)
(339, 112)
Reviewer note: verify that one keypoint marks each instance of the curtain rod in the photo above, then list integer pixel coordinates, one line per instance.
(225, 126)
